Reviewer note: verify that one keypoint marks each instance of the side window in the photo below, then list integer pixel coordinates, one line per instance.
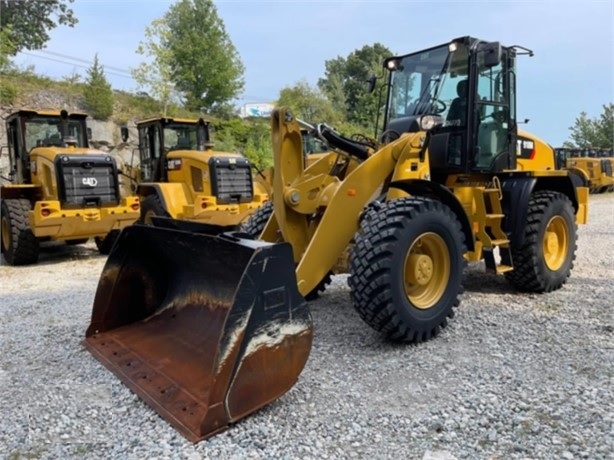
(13, 139)
(493, 107)
(154, 141)
(144, 153)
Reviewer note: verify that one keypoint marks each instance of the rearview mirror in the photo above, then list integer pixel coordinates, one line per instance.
(372, 80)
(492, 54)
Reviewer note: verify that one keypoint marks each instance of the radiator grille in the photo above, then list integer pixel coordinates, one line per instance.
(231, 179)
(86, 181)
(606, 167)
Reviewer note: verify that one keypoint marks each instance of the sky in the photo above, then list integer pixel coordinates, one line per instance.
(284, 42)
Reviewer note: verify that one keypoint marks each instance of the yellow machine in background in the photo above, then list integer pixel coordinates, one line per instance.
(208, 326)
(181, 176)
(592, 167)
(59, 189)
(597, 171)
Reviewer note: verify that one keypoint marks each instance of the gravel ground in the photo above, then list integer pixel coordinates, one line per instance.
(514, 376)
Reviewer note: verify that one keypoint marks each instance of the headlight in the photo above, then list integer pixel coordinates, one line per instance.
(428, 122)
(174, 164)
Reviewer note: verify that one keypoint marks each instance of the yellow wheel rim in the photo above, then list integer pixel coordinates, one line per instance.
(426, 271)
(556, 243)
(6, 232)
(147, 218)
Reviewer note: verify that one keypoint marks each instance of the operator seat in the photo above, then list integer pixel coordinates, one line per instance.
(457, 115)
(183, 143)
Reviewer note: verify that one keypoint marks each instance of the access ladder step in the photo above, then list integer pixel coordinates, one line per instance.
(491, 263)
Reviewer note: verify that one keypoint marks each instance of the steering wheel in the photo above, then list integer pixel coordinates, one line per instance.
(436, 106)
(439, 106)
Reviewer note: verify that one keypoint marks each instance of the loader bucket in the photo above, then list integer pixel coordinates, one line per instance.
(204, 328)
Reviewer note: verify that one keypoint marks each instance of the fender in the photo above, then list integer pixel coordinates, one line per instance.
(173, 196)
(517, 193)
(426, 188)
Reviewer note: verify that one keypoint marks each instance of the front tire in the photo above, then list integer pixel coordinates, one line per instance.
(258, 220)
(19, 245)
(406, 268)
(105, 244)
(545, 259)
(152, 206)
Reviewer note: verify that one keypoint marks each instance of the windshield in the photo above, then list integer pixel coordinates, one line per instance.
(427, 82)
(180, 136)
(45, 132)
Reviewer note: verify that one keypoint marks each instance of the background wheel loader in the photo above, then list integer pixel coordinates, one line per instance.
(58, 188)
(209, 326)
(181, 176)
(593, 165)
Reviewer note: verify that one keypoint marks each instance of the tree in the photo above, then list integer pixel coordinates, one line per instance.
(597, 132)
(156, 76)
(308, 103)
(97, 92)
(205, 64)
(7, 48)
(31, 20)
(345, 83)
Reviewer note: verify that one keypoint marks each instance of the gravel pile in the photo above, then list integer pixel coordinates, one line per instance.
(514, 376)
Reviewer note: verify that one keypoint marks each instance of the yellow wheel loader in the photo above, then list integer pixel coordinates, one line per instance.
(182, 177)
(596, 171)
(209, 326)
(593, 165)
(58, 188)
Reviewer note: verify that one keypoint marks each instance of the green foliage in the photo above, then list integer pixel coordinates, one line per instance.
(251, 138)
(345, 83)
(97, 92)
(206, 67)
(7, 48)
(309, 104)
(31, 20)
(259, 148)
(8, 93)
(597, 132)
(156, 75)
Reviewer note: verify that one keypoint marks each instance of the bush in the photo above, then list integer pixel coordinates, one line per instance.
(8, 93)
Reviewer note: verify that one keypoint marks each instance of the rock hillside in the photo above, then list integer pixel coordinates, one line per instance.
(105, 134)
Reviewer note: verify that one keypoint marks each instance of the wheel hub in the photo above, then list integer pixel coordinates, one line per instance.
(552, 242)
(427, 270)
(422, 269)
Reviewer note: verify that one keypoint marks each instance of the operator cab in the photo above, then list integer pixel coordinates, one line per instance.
(29, 129)
(159, 136)
(464, 93)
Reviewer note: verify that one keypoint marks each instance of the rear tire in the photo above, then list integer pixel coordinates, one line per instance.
(545, 259)
(105, 244)
(19, 245)
(406, 268)
(152, 206)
